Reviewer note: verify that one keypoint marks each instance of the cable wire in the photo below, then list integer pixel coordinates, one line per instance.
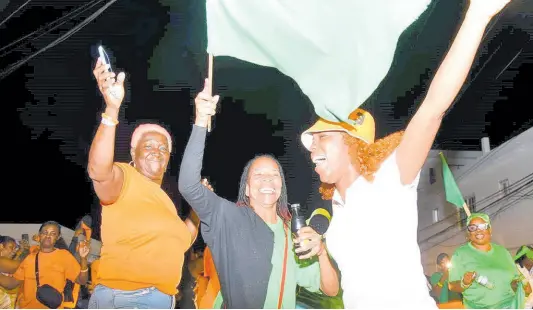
(62, 38)
(15, 12)
(42, 31)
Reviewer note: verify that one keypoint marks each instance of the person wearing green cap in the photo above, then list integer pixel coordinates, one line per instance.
(524, 262)
(483, 271)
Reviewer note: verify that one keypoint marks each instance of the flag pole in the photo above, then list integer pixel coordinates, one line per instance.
(467, 210)
(210, 84)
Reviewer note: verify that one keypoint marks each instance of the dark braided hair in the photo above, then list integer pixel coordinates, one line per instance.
(282, 207)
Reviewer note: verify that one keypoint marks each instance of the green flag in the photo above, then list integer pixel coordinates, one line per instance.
(338, 51)
(520, 297)
(453, 194)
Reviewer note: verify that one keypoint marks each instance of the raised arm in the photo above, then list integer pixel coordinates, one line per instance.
(9, 265)
(422, 129)
(84, 249)
(16, 280)
(9, 283)
(199, 197)
(107, 178)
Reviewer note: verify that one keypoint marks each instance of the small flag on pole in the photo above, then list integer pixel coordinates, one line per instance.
(453, 194)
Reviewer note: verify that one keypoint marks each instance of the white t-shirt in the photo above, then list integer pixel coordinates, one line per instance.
(373, 238)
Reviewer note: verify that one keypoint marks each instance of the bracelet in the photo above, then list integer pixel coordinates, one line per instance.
(108, 120)
(84, 270)
(463, 285)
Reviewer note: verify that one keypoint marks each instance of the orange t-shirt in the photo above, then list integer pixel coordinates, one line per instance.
(54, 269)
(143, 238)
(213, 286)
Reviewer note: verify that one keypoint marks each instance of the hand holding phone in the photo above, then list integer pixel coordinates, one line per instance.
(104, 57)
(111, 85)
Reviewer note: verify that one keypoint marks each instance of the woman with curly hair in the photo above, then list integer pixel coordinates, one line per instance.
(373, 184)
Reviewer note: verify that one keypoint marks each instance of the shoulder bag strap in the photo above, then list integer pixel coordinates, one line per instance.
(283, 273)
(37, 269)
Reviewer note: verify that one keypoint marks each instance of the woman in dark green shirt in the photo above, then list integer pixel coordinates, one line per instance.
(439, 281)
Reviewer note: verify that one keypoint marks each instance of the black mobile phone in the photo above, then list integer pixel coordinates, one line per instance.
(26, 237)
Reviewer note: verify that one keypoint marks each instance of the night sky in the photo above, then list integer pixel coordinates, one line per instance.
(56, 106)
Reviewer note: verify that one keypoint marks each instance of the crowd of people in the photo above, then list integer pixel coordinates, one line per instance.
(252, 259)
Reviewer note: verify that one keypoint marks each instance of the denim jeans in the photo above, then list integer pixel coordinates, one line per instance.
(104, 297)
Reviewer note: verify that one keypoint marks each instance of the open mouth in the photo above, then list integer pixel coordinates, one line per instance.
(154, 159)
(267, 190)
(480, 236)
(319, 159)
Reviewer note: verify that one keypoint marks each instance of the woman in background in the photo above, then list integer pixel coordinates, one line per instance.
(483, 271)
(55, 267)
(524, 262)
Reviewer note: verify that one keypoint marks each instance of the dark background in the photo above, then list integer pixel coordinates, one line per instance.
(160, 45)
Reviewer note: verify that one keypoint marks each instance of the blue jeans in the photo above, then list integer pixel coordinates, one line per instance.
(104, 297)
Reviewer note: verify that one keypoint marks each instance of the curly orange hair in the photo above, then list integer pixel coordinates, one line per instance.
(368, 157)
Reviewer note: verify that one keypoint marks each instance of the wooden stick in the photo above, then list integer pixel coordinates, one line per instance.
(210, 84)
(467, 211)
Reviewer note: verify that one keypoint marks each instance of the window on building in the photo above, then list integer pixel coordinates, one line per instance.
(471, 202)
(504, 187)
(432, 177)
(435, 215)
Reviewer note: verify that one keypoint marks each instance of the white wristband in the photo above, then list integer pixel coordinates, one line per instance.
(107, 122)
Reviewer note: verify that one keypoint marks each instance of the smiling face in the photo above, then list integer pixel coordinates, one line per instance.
(151, 155)
(479, 232)
(331, 156)
(8, 249)
(264, 183)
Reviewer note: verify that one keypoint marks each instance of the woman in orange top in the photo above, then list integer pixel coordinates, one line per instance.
(8, 248)
(143, 238)
(55, 267)
(206, 293)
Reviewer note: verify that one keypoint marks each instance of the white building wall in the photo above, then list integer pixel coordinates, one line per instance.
(479, 175)
(15, 231)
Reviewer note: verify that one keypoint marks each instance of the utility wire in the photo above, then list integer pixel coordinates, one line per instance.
(15, 12)
(62, 38)
(42, 31)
